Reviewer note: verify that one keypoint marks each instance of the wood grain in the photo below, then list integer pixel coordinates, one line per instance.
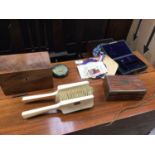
(23, 62)
(129, 126)
(124, 87)
(26, 81)
(103, 112)
(27, 72)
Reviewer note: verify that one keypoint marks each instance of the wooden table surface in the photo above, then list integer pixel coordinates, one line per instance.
(103, 112)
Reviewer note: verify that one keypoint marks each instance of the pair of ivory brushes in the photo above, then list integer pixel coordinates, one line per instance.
(69, 98)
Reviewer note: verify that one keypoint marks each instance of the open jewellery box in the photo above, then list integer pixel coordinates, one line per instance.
(121, 53)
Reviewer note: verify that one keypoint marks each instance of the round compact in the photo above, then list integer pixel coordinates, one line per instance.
(60, 70)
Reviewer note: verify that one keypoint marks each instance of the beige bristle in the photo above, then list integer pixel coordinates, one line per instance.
(74, 92)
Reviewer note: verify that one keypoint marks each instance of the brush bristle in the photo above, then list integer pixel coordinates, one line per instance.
(74, 92)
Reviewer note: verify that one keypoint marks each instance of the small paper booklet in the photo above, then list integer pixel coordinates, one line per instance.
(92, 70)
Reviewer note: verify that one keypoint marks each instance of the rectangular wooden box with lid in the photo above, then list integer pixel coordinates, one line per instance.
(124, 87)
(20, 73)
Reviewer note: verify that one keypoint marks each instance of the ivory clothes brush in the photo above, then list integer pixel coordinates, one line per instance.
(70, 97)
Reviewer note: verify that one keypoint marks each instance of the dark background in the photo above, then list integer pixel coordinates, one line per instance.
(27, 35)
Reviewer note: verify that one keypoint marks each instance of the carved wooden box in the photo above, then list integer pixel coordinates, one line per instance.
(124, 87)
(20, 73)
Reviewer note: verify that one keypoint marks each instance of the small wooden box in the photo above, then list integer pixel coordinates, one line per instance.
(20, 73)
(124, 87)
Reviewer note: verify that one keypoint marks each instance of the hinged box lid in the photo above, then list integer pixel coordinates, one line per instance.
(124, 87)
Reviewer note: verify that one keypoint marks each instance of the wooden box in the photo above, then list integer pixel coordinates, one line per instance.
(124, 87)
(20, 73)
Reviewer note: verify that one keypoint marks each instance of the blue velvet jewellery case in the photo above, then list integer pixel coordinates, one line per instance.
(121, 53)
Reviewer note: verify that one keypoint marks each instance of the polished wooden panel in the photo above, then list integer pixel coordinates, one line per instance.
(137, 125)
(18, 35)
(23, 62)
(124, 87)
(118, 28)
(22, 73)
(103, 112)
(25, 81)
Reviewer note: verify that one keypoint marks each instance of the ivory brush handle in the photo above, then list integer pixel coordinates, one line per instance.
(37, 97)
(39, 111)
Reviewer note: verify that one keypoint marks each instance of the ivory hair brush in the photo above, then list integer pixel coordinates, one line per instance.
(70, 97)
